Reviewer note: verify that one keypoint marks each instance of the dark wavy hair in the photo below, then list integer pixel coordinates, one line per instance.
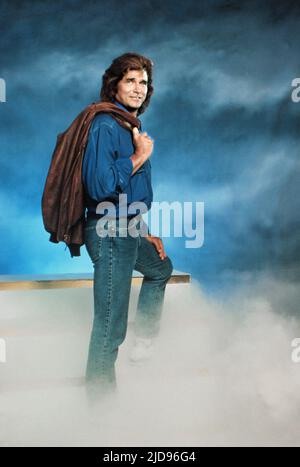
(116, 71)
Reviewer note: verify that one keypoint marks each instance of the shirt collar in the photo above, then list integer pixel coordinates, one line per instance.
(124, 108)
(119, 105)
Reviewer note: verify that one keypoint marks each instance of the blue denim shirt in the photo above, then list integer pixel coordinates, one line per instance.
(107, 167)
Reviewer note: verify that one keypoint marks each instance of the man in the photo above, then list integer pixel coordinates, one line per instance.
(116, 161)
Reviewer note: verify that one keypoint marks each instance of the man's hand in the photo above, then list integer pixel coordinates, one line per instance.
(143, 143)
(157, 242)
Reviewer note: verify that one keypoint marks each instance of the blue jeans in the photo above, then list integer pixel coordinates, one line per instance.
(114, 258)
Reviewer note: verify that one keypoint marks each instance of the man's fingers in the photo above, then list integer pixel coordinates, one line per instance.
(160, 249)
(158, 244)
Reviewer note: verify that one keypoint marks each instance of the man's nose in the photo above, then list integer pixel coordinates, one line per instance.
(137, 88)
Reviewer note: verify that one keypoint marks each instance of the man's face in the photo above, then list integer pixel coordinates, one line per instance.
(132, 89)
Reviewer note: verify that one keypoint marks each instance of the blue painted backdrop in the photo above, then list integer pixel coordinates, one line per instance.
(226, 129)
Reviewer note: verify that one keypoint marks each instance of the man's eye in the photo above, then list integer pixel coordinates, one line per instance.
(129, 80)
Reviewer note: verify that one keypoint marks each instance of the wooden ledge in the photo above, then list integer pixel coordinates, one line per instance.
(66, 281)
